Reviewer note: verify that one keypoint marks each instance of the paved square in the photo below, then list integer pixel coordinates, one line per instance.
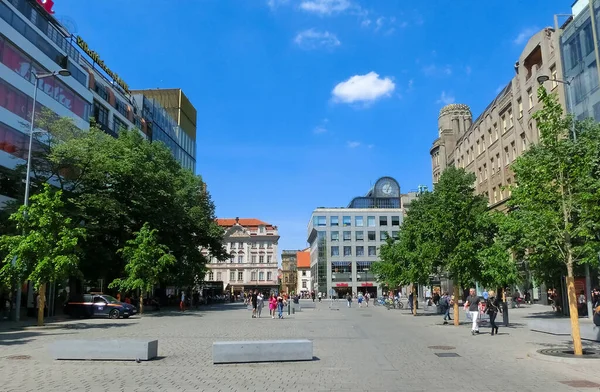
(368, 349)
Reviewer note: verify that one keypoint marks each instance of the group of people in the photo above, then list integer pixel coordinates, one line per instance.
(276, 303)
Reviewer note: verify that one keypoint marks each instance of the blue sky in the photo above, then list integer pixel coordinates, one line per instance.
(305, 103)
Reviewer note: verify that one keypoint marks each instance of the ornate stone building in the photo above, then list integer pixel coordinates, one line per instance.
(252, 245)
(505, 129)
(289, 270)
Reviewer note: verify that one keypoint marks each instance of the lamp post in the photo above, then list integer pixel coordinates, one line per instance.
(37, 76)
(542, 79)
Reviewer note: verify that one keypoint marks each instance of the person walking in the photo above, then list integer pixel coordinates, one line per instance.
(349, 299)
(254, 300)
(472, 306)
(445, 307)
(260, 303)
(492, 306)
(182, 302)
(280, 303)
(272, 305)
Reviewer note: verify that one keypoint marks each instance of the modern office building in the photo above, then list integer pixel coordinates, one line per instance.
(289, 270)
(303, 270)
(504, 130)
(252, 246)
(344, 242)
(580, 58)
(34, 42)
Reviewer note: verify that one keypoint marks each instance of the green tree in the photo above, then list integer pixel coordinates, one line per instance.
(557, 199)
(47, 249)
(147, 262)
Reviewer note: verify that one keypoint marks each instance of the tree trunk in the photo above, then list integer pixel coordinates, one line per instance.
(141, 303)
(456, 309)
(415, 299)
(42, 304)
(573, 313)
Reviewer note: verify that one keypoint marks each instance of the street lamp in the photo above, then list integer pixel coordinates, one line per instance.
(37, 76)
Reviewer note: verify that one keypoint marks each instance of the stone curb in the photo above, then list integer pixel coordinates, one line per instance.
(569, 361)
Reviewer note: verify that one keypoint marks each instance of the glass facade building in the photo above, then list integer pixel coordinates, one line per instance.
(580, 57)
(344, 242)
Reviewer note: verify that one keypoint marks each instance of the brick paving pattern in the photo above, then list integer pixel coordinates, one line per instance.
(369, 349)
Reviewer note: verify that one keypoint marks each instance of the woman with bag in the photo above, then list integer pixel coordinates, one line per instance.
(492, 306)
(272, 305)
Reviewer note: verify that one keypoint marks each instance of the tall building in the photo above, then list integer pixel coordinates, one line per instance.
(34, 42)
(252, 246)
(303, 265)
(505, 129)
(344, 242)
(289, 270)
(580, 59)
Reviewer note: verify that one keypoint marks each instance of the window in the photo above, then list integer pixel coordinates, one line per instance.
(269, 275)
(269, 245)
(493, 166)
(480, 175)
(513, 148)
(370, 221)
(253, 259)
(553, 75)
(506, 156)
(395, 234)
(360, 250)
(359, 235)
(232, 259)
(253, 276)
(490, 135)
(530, 98)
(261, 276)
(100, 114)
(335, 236)
(303, 273)
(520, 106)
(510, 118)
(118, 124)
(240, 259)
(371, 236)
(495, 194)
(232, 275)
(347, 236)
(240, 276)
(509, 187)
(372, 251)
(478, 148)
(383, 221)
(495, 131)
(334, 220)
(261, 245)
(210, 276)
(261, 259)
(304, 284)
(320, 221)
(347, 221)
(482, 143)
(261, 229)
(347, 251)
(358, 221)
(101, 91)
(335, 250)
(504, 123)
(219, 276)
(498, 161)
(485, 173)
(395, 220)
(383, 235)
(269, 258)
(523, 142)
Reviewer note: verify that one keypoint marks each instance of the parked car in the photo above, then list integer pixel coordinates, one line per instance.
(98, 305)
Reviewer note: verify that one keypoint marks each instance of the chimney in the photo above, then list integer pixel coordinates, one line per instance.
(237, 220)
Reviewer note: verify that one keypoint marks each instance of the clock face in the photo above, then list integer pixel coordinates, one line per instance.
(386, 188)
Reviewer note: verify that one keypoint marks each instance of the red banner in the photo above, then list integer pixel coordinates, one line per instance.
(341, 285)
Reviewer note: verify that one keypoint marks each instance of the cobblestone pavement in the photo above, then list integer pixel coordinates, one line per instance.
(368, 349)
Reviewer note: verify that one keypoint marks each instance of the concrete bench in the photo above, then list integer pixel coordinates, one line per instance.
(562, 327)
(263, 351)
(105, 349)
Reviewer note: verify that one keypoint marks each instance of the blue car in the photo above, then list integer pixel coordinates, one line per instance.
(98, 305)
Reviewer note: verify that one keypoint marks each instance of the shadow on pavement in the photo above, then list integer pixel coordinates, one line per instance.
(15, 338)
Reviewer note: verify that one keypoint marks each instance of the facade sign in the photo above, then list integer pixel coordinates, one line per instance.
(47, 5)
(96, 58)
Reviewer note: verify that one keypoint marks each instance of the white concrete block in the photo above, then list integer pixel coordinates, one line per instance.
(105, 349)
(263, 351)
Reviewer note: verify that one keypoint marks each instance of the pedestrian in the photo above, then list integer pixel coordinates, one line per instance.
(492, 307)
(367, 297)
(260, 303)
(254, 301)
(411, 304)
(312, 294)
(272, 305)
(182, 302)
(349, 299)
(319, 295)
(360, 300)
(445, 307)
(280, 303)
(472, 306)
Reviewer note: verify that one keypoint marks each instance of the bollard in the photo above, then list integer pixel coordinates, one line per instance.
(505, 313)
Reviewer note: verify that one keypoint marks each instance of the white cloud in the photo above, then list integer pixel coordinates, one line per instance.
(325, 7)
(445, 99)
(525, 34)
(363, 88)
(319, 130)
(411, 83)
(353, 144)
(313, 39)
(436, 70)
(365, 23)
(276, 3)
